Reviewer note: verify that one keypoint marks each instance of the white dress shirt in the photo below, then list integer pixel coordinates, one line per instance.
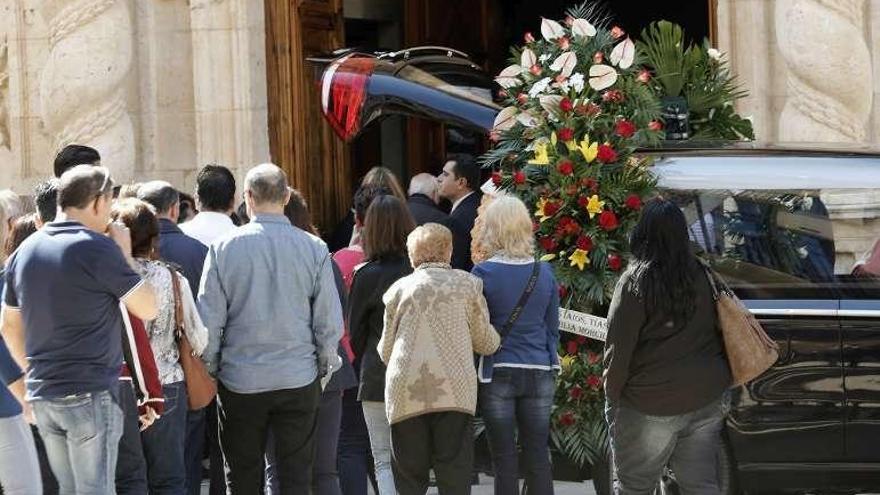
(207, 226)
(459, 200)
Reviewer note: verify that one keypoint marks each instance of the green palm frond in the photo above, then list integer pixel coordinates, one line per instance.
(661, 47)
(595, 12)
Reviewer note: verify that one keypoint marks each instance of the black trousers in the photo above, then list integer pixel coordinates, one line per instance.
(244, 423)
(443, 441)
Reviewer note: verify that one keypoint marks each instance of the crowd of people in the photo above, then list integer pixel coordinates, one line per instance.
(336, 367)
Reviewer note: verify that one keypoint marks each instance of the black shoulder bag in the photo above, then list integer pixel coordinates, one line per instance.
(517, 310)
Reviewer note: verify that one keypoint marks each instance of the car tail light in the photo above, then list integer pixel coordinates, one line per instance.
(343, 90)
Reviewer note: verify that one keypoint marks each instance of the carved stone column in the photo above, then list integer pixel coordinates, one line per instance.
(830, 83)
(83, 84)
(4, 93)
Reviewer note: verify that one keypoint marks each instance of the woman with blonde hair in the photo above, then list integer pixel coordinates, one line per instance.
(517, 383)
(435, 319)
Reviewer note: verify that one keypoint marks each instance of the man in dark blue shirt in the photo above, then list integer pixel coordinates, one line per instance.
(66, 287)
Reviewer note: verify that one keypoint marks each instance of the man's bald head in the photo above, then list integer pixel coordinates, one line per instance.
(266, 184)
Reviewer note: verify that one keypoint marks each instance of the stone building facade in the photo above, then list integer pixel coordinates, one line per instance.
(163, 86)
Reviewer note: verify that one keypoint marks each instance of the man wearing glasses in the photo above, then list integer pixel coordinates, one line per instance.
(61, 318)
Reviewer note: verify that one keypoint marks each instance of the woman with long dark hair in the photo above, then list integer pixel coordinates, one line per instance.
(665, 368)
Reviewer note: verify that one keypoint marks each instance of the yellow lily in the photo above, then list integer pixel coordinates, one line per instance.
(541, 155)
(594, 206)
(540, 209)
(589, 150)
(548, 257)
(553, 139)
(579, 258)
(566, 361)
(571, 145)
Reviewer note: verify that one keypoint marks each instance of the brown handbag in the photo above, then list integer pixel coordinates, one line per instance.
(749, 350)
(200, 387)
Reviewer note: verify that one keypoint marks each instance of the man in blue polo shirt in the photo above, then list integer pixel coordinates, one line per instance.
(62, 317)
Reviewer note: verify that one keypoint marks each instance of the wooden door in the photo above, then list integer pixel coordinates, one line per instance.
(300, 140)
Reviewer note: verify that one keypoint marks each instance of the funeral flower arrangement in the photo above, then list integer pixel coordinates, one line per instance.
(577, 103)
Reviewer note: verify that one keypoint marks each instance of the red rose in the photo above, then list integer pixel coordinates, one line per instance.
(535, 226)
(528, 37)
(566, 134)
(566, 418)
(644, 76)
(548, 244)
(550, 208)
(633, 202)
(522, 98)
(563, 291)
(581, 339)
(585, 242)
(565, 167)
(590, 184)
(536, 70)
(496, 178)
(594, 382)
(608, 220)
(565, 105)
(564, 43)
(606, 154)
(583, 201)
(519, 177)
(617, 32)
(655, 125)
(576, 392)
(598, 58)
(567, 226)
(613, 95)
(593, 358)
(494, 136)
(502, 93)
(571, 347)
(624, 128)
(614, 262)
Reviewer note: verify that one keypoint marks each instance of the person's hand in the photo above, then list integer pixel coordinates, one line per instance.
(28, 412)
(148, 418)
(121, 235)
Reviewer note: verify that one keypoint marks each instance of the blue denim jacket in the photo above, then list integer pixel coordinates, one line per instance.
(268, 298)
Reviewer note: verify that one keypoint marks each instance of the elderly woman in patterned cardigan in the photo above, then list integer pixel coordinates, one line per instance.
(435, 319)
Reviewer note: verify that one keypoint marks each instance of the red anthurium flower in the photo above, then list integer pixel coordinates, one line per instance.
(598, 58)
(529, 38)
(614, 262)
(566, 134)
(565, 105)
(536, 69)
(567, 418)
(519, 177)
(594, 382)
(565, 167)
(585, 242)
(624, 128)
(608, 220)
(548, 244)
(606, 154)
(593, 358)
(576, 392)
(633, 202)
(655, 125)
(571, 347)
(617, 32)
(496, 178)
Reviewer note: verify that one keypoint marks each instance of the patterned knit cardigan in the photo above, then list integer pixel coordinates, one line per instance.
(435, 320)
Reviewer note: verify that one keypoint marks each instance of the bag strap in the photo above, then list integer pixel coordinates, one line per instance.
(517, 310)
(178, 305)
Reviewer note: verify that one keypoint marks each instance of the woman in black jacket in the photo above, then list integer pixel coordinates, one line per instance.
(386, 226)
(665, 368)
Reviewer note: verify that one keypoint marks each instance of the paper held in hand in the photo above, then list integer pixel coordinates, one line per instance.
(592, 327)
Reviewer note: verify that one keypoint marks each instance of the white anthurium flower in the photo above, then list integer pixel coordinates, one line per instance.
(551, 30)
(565, 85)
(509, 77)
(527, 119)
(505, 119)
(545, 57)
(715, 54)
(581, 28)
(565, 63)
(539, 87)
(527, 59)
(550, 104)
(602, 76)
(623, 54)
(577, 82)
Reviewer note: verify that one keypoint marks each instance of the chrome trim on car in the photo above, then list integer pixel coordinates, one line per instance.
(794, 312)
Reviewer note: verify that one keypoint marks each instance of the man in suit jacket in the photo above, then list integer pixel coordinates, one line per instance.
(422, 201)
(459, 183)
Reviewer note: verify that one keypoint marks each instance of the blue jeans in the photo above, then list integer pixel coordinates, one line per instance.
(354, 458)
(131, 468)
(519, 400)
(81, 433)
(642, 445)
(164, 443)
(19, 466)
(195, 450)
